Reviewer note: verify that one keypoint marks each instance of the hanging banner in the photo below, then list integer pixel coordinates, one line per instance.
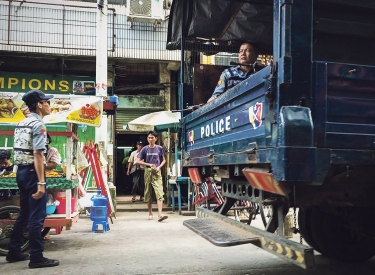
(64, 108)
(80, 110)
(10, 108)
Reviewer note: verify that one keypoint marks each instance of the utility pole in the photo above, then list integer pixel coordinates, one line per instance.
(101, 133)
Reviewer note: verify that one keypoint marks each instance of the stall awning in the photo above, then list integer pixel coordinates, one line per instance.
(156, 121)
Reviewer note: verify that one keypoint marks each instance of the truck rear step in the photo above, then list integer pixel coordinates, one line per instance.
(223, 231)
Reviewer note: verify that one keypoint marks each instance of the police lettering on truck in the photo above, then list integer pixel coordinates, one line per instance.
(214, 128)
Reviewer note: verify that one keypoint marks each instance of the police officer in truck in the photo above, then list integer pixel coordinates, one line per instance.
(247, 65)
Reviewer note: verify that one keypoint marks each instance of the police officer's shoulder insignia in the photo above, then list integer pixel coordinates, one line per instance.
(219, 82)
(43, 130)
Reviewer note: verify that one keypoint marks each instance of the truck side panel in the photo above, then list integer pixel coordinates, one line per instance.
(345, 106)
(235, 122)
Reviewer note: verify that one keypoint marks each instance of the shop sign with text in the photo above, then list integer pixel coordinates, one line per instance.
(49, 84)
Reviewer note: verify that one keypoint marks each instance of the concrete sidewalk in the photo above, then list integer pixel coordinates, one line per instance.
(136, 245)
(125, 204)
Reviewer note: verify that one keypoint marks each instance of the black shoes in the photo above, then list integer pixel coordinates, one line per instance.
(39, 264)
(18, 258)
(44, 263)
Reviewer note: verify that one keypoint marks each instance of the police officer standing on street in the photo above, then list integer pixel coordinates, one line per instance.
(247, 65)
(29, 147)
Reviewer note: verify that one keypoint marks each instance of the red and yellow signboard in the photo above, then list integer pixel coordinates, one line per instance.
(64, 108)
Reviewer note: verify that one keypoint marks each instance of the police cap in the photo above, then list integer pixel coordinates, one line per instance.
(31, 98)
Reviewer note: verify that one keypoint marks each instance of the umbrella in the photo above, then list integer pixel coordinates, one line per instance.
(157, 121)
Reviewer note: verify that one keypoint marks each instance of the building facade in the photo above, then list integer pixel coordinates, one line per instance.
(51, 45)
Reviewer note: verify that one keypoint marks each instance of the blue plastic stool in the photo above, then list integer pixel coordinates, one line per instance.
(104, 224)
(98, 214)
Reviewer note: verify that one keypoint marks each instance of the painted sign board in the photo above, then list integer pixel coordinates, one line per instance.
(85, 110)
(49, 84)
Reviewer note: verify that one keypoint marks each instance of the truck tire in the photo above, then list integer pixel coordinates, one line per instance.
(304, 222)
(336, 239)
(318, 231)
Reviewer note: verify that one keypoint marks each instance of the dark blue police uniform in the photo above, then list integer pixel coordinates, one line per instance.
(233, 76)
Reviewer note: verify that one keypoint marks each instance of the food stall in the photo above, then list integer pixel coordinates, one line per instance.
(72, 110)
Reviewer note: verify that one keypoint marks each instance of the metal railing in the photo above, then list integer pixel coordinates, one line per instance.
(49, 25)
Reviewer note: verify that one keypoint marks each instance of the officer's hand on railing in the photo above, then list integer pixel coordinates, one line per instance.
(189, 108)
(210, 99)
(39, 193)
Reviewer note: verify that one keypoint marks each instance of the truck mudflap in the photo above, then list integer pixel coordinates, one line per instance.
(223, 231)
(262, 180)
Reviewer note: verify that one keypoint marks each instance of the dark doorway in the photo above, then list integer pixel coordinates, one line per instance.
(125, 145)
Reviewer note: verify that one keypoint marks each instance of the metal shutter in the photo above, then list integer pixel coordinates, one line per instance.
(123, 116)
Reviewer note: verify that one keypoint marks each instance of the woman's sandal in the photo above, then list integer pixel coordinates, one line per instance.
(150, 217)
(46, 238)
(162, 218)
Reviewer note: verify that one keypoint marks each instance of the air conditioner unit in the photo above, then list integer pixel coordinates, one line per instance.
(148, 11)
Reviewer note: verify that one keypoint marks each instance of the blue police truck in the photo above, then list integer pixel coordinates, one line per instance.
(298, 136)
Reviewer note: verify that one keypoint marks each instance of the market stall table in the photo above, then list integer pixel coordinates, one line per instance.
(179, 180)
(53, 220)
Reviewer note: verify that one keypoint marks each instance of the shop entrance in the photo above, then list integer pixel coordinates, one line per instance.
(125, 145)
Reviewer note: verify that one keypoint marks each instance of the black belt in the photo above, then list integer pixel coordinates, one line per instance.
(26, 165)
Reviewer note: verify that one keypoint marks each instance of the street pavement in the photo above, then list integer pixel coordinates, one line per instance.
(136, 245)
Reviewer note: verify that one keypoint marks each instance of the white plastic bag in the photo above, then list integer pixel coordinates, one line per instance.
(51, 201)
(82, 162)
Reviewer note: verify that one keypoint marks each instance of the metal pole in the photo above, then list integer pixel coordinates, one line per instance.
(181, 101)
(101, 132)
(101, 48)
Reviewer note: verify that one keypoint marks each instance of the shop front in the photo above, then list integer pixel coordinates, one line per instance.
(130, 108)
(71, 123)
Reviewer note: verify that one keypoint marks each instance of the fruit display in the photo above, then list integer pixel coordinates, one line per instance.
(49, 174)
(52, 183)
(54, 174)
(8, 175)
